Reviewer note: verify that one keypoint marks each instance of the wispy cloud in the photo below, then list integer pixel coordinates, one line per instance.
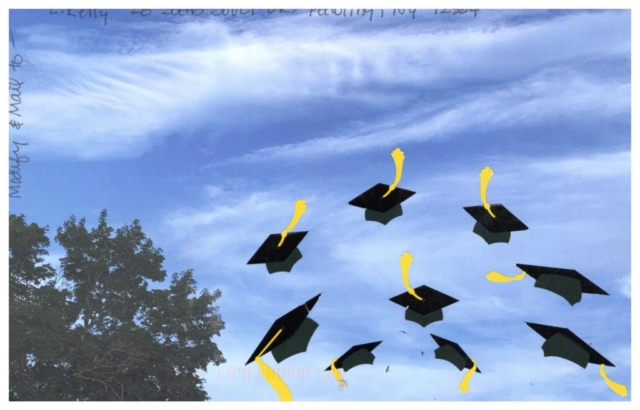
(624, 286)
(121, 100)
(544, 97)
(599, 166)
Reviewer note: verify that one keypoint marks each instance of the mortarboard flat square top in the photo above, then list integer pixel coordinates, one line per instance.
(269, 251)
(372, 198)
(368, 347)
(550, 331)
(432, 300)
(537, 271)
(504, 221)
(440, 354)
(289, 323)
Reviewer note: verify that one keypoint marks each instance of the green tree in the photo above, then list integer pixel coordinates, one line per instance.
(96, 331)
(38, 316)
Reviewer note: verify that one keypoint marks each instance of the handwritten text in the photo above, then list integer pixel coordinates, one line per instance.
(82, 14)
(370, 14)
(16, 159)
(15, 121)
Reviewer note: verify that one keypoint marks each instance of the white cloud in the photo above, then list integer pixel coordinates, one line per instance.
(592, 167)
(624, 286)
(110, 104)
(213, 191)
(217, 228)
(545, 97)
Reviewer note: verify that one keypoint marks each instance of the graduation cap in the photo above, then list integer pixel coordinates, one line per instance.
(494, 222)
(355, 356)
(382, 202)
(280, 251)
(562, 342)
(568, 283)
(453, 353)
(423, 304)
(289, 335)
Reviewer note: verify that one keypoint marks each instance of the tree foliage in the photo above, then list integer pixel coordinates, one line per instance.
(95, 331)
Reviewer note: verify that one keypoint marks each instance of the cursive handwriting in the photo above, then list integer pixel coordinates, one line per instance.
(363, 14)
(14, 88)
(15, 93)
(360, 12)
(198, 12)
(82, 14)
(14, 172)
(371, 14)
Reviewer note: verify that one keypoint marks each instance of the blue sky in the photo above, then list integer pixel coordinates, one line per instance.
(208, 129)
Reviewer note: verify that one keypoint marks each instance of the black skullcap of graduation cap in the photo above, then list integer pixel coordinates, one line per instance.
(562, 342)
(280, 251)
(504, 220)
(279, 258)
(355, 356)
(427, 310)
(381, 209)
(297, 330)
(452, 353)
(496, 229)
(568, 283)
(382, 202)
(494, 222)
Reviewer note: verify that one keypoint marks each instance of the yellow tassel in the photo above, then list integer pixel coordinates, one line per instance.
(464, 384)
(274, 380)
(336, 375)
(398, 159)
(485, 176)
(616, 387)
(300, 207)
(495, 276)
(272, 377)
(405, 262)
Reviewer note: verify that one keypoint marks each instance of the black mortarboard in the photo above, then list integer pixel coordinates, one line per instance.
(279, 254)
(357, 355)
(380, 204)
(453, 353)
(281, 258)
(295, 330)
(496, 223)
(568, 283)
(427, 310)
(562, 342)
(496, 229)
(381, 209)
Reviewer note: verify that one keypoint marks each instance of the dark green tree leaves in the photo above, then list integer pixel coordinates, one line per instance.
(105, 335)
